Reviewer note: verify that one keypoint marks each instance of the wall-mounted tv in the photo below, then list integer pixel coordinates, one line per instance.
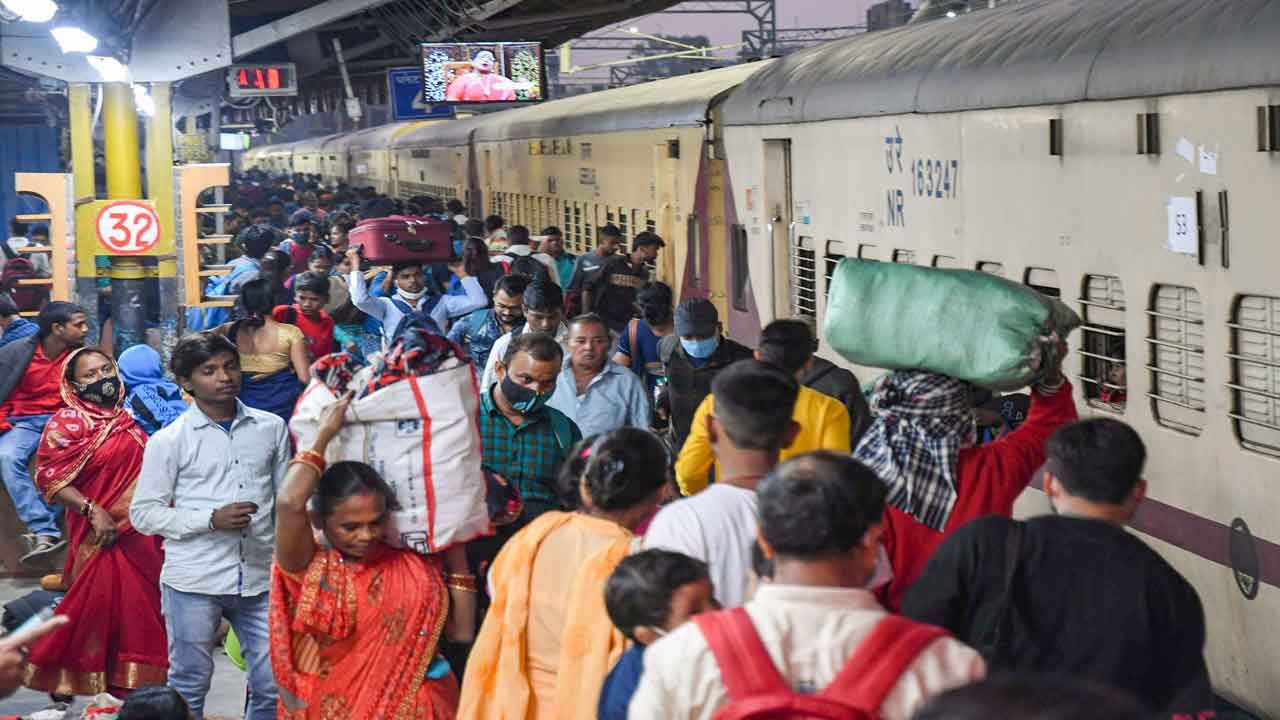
(483, 72)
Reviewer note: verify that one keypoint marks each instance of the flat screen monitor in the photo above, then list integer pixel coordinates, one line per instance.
(233, 141)
(483, 72)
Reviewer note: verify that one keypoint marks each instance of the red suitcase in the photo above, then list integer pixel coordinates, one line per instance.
(400, 238)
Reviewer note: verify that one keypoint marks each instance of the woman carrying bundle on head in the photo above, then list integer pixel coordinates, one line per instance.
(547, 643)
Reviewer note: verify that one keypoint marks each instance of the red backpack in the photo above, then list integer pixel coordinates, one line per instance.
(26, 297)
(757, 691)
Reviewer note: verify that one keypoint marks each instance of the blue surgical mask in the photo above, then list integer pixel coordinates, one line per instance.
(700, 349)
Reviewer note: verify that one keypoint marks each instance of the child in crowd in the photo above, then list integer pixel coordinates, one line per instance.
(648, 595)
(310, 293)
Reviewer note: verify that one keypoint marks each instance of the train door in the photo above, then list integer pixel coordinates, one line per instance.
(393, 173)
(777, 204)
(666, 184)
(488, 205)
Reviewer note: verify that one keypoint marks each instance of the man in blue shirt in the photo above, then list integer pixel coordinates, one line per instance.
(477, 332)
(598, 394)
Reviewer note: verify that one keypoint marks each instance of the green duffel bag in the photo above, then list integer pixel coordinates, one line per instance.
(966, 324)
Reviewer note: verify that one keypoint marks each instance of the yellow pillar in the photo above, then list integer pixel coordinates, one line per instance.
(81, 141)
(120, 133)
(159, 129)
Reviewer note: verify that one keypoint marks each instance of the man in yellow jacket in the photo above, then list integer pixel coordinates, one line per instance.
(823, 420)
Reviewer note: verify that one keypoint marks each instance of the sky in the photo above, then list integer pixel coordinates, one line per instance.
(724, 29)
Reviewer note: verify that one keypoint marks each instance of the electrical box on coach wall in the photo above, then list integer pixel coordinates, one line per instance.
(121, 227)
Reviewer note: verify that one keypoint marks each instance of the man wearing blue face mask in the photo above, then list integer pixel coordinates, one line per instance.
(691, 358)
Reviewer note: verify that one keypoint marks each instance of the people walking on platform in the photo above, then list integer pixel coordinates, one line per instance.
(690, 358)
(207, 486)
(648, 595)
(553, 247)
(274, 359)
(89, 461)
(30, 394)
(153, 401)
(638, 343)
(816, 623)
(476, 333)
(747, 431)
(608, 238)
(543, 313)
(547, 643)
(411, 297)
(611, 291)
(922, 444)
(302, 240)
(518, 246)
(1073, 592)
(355, 623)
(13, 326)
(310, 294)
(823, 423)
(598, 394)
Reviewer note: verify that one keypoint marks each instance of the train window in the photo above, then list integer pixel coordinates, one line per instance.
(578, 243)
(868, 252)
(623, 223)
(907, 257)
(693, 242)
(1055, 136)
(1103, 374)
(588, 226)
(832, 257)
(991, 268)
(944, 261)
(1176, 342)
(1255, 373)
(609, 217)
(738, 260)
(422, 176)
(651, 225)
(1148, 133)
(1043, 281)
(567, 228)
(804, 277)
(1268, 128)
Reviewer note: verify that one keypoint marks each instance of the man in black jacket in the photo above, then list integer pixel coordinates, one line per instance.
(1073, 593)
(30, 379)
(834, 381)
(691, 358)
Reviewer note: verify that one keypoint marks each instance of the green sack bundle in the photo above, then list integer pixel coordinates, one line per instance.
(966, 324)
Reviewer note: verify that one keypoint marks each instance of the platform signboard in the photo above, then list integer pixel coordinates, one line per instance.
(405, 89)
(126, 227)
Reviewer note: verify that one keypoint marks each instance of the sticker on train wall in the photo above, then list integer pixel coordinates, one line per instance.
(1208, 161)
(128, 227)
(1183, 235)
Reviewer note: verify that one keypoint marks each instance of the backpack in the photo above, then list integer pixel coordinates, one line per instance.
(200, 319)
(26, 297)
(757, 691)
(529, 266)
(422, 318)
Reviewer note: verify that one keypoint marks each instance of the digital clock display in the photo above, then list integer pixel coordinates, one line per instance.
(251, 80)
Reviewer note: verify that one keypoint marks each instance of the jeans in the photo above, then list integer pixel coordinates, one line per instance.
(16, 448)
(192, 620)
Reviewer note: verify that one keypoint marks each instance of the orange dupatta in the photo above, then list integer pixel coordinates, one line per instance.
(497, 684)
(355, 639)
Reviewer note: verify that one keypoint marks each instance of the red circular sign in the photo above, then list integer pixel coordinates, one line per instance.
(128, 227)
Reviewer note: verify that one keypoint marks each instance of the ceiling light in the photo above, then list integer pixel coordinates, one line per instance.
(143, 101)
(951, 13)
(109, 68)
(72, 39)
(36, 11)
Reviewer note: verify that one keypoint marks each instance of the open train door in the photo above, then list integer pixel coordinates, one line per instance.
(666, 200)
(778, 225)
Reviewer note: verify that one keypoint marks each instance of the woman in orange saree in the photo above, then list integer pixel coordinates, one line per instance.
(88, 460)
(355, 625)
(547, 642)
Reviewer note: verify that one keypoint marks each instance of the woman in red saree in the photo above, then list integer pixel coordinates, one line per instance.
(88, 460)
(355, 625)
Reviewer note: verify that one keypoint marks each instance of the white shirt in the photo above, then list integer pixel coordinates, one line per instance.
(192, 467)
(490, 375)
(810, 632)
(716, 526)
(385, 311)
(515, 251)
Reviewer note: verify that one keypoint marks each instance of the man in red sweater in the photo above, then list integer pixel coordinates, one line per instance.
(923, 445)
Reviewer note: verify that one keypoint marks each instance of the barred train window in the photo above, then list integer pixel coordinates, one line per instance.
(991, 268)
(623, 225)
(652, 226)
(944, 261)
(1043, 281)
(1103, 371)
(1176, 341)
(868, 252)
(588, 226)
(738, 260)
(906, 257)
(804, 277)
(693, 241)
(830, 259)
(1255, 373)
(567, 228)
(577, 228)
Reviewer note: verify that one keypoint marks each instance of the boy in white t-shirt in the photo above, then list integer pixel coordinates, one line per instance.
(748, 428)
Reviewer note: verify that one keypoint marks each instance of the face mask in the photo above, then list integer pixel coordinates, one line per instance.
(300, 237)
(411, 297)
(100, 392)
(883, 573)
(522, 399)
(700, 349)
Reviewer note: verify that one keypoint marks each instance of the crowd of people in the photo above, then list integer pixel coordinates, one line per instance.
(703, 529)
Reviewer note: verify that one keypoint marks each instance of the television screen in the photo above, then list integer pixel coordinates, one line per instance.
(233, 141)
(482, 72)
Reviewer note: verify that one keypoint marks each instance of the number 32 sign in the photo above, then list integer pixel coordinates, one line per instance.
(128, 228)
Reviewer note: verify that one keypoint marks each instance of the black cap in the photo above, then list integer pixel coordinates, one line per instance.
(696, 318)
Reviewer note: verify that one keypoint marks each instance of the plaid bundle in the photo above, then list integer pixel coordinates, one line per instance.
(923, 419)
(416, 352)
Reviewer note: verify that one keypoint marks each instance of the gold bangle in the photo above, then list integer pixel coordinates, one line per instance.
(462, 588)
(309, 463)
(312, 458)
(461, 581)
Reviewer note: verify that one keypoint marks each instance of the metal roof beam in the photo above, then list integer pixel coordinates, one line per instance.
(302, 21)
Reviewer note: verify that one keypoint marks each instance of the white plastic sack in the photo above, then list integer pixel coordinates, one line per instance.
(422, 437)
